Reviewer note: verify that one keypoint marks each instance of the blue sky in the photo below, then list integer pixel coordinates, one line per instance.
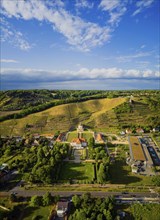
(80, 44)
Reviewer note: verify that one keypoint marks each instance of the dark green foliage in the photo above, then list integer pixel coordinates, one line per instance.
(36, 201)
(86, 207)
(147, 211)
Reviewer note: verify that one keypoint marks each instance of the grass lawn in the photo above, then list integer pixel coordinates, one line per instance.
(87, 135)
(121, 172)
(42, 212)
(78, 171)
(72, 135)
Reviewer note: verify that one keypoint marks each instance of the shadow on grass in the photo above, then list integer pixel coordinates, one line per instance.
(73, 171)
(120, 175)
(29, 211)
(11, 183)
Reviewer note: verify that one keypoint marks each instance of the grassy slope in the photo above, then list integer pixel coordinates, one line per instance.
(94, 114)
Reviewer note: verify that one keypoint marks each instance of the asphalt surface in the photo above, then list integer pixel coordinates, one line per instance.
(28, 193)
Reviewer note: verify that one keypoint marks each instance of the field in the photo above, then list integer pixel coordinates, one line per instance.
(121, 173)
(95, 114)
(76, 171)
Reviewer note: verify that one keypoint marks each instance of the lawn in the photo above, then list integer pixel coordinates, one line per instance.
(78, 171)
(42, 212)
(121, 172)
(87, 135)
(71, 136)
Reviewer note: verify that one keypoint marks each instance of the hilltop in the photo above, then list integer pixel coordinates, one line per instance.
(101, 114)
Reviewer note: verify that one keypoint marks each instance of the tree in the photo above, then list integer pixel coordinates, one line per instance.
(100, 217)
(47, 199)
(76, 200)
(36, 201)
(101, 176)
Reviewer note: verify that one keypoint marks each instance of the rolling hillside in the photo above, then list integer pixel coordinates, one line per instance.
(97, 114)
(108, 115)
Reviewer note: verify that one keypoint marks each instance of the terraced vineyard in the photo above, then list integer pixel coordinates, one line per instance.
(94, 114)
(107, 115)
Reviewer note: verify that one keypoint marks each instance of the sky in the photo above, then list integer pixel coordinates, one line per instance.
(80, 44)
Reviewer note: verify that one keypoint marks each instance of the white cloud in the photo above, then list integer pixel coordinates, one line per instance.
(39, 75)
(79, 33)
(129, 58)
(115, 8)
(14, 37)
(142, 4)
(8, 61)
(84, 4)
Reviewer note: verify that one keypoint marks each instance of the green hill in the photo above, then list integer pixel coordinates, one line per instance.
(107, 114)
(92, 113)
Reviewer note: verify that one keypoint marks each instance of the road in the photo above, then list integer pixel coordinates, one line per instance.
(28, 193)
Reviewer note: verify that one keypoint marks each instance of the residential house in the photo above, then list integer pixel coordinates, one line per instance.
(99, 138)
(128, 131)
(139, 130)
(61, 137)
(156, 129)
(62, 208)
(78, 143)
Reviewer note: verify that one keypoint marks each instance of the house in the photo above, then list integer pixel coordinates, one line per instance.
(122, 133)
(62, 208)
(48, 136)
(128, 131)
(156, 129)
(36, 136)
(61, 137)
(35, 143)
(18, 138)
(139, 130)
(134, 168)
(99, 138)
(80, 128)
(78, 143)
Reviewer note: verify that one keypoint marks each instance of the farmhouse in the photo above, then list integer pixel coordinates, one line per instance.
(139, 130)
(62, 208)
(128, 131)
(136, 149)
(61, 137)
(99, 138)
(78, 143)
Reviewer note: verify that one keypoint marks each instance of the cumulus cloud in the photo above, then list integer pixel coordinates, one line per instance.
(142, 4)
(40, 75)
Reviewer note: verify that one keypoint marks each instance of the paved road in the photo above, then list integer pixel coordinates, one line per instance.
(27, 193)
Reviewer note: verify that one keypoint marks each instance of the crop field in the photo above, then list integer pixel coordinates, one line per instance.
(78, 171)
